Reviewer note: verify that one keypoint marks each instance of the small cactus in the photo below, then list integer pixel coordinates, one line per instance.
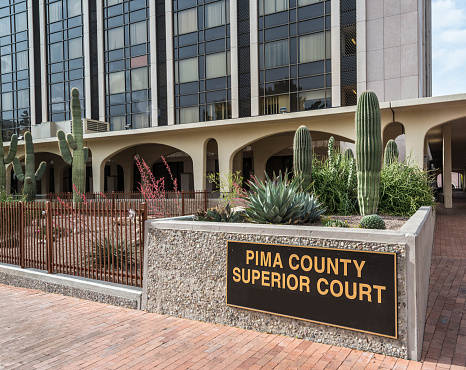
(348, 154)
(29, 177)
(372, 222)
(368, 152)
(302, 156)
(218, 214)
(80, 153)
(8, 159)
(391, 153)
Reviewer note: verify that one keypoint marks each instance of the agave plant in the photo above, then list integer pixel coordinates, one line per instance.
(219, 214)
(312, 208)
(275, 201)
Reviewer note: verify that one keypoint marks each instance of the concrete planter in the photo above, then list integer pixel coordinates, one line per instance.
(185, 264)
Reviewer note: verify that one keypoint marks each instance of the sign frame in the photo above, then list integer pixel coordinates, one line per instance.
(316, 321)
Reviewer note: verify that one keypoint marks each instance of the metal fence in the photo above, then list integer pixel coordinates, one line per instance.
(166, 204)
(97, 240)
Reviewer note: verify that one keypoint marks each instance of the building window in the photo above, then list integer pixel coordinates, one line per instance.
(202, 61)
(65, 57)
(127, 60)
(14, 68)
(294, 55)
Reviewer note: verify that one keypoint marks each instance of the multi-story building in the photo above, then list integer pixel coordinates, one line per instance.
(212, 84)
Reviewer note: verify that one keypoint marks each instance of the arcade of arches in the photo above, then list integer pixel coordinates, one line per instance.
(432, 131)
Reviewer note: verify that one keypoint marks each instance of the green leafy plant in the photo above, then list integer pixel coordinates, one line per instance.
(229, 185)
(30, 175)
(74, 141)
(368, 152)
(372, 222)
(8, 159)
(302, 156)
(218, 214)
(335, 185)
(404, 188)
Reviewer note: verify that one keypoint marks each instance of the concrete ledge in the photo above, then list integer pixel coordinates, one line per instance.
(73, 286)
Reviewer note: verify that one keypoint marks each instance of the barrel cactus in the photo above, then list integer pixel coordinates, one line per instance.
(368, 152)
(372, 222)
(302, 156)
(29, 177)
(391, 153)
(6, 160)
(74, 141)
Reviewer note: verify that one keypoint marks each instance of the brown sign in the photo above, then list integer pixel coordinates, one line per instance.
(344, 288)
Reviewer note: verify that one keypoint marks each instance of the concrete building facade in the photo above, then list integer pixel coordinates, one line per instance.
(212, 85)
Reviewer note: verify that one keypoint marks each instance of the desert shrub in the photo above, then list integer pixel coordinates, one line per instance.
(404, 188)
(334, 183)
(335, 223)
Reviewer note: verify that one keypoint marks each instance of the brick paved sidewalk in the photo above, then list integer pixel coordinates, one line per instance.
(41, 330)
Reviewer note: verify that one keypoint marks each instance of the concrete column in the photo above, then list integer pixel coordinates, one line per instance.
(43, 60)
(128, 172)
(87, 59)
(415, 145)
(234, 60)
(446, 177)
(98, 167)
(336, 67)
(225, 163)
(254, 50)
(260, 162)
(32, 84)
(58, 177)
(199, 158)
(100, 59)
(153, 64)
(170, 64)
(361, 46)
(238, 162)
(464, 181)
(44, 182)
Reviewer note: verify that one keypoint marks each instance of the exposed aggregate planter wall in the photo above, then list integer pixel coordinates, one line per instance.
(185, 276)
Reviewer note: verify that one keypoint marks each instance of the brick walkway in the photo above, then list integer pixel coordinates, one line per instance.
(41, 330)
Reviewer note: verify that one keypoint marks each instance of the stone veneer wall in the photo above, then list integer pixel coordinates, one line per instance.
(185, 276)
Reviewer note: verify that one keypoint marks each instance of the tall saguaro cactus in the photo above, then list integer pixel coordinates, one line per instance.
(391, 153)
(30, 175)
(74, 141)
(302, 155)
(368, 152)
(8, 159)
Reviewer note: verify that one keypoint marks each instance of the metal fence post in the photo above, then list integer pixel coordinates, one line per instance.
(22, 257)
(49, 236)
(182, 202)
(205, 200)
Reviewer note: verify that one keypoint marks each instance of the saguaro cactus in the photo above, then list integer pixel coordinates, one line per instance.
(391, 153)
(302, 155)
(29, 177)
(348, 154)
(368, 152)
(74, 141)
(6, 160)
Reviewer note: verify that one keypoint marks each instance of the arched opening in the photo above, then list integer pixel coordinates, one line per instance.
(122, 172)
(211, 164)
(396, 131)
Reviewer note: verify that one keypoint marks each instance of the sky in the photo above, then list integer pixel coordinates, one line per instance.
(448, 47)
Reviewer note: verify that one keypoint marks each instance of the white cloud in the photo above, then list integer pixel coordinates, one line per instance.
(449, 46)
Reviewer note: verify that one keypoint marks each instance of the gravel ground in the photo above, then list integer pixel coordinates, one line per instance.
(391, 222)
